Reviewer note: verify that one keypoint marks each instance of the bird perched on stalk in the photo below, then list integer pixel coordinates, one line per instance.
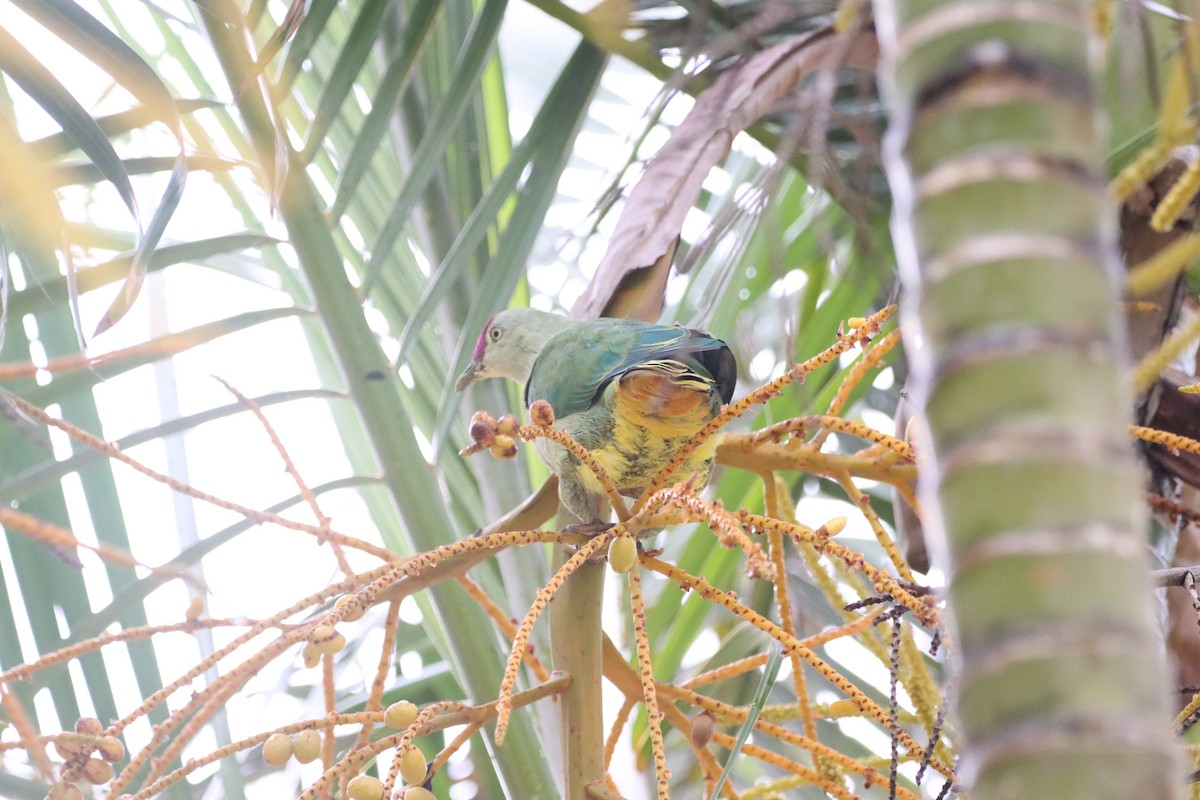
(630, 392)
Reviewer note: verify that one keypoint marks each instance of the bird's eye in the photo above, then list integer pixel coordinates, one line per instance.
(496, 333)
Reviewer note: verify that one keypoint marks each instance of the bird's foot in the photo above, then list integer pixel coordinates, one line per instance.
(587, 528)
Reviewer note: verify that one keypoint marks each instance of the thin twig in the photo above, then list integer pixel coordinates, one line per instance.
(305, 492)
(255, 515)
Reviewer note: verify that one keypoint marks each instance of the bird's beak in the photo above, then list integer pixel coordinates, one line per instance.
(469, 375)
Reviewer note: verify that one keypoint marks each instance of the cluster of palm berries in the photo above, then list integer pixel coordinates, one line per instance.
(88, 756)
(325, 639)
(305, 746)
(500, 436)
(413, 769)
(365, 787)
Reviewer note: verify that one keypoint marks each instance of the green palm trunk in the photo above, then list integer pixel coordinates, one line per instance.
(1004, 233)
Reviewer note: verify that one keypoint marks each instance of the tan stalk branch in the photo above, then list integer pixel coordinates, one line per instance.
(736, 450)
(830, 423)
(386, 650)
(544, 596)
(871, 359)
(27, 736)
(783, 601)
(437, 716)
(736, 716)
(53, 536)
(790, 643)
(863, 503)
(503, 622)
(306, 493)
(845, 342)
(24, 671)
(662, 774)
(255, 515)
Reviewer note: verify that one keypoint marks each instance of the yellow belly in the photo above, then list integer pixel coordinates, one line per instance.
(640, 448)
(643, 420)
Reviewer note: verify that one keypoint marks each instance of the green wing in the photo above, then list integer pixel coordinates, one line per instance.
(575, 365)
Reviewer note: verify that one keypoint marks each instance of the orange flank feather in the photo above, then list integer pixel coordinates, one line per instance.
(665, 397)
(656, 395)
(656, 408)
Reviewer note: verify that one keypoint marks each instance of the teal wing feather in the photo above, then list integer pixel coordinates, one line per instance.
(575, 365)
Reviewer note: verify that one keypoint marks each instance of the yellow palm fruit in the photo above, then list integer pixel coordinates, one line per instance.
(483, 428)
(844, 708)
(413, 766)
(365, 787)
(89, 725)
(306, 746)
(541, 413)
(195, 608)
(400, 715)
(96, 771)
(277, 749)
(69, 750)
(64, 791)
(354, 612)
(504, 447)
(834, 526)
(111, 749)
(327, 640)
(622, 554)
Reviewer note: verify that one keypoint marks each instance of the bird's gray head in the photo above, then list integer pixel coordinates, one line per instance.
(509, 344)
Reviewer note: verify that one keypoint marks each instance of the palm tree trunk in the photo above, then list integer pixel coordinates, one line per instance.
(1005, 237)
